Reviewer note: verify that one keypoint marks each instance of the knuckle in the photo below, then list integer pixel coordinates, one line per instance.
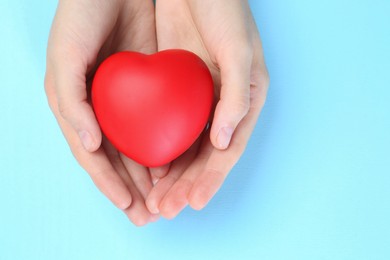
(241, 106)
(259, 88)
(260, 78)
(64, 109)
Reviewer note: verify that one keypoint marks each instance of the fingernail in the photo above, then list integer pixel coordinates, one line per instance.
(154, 210)
(152, 207)
(86, 140)
(126, 201)
(224, 136)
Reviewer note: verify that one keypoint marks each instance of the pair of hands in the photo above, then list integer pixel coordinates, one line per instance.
(223, 33)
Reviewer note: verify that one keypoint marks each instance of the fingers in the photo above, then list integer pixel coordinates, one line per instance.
(96, 164)
(161, 188)
(204, 177)
(105, 169)
(159, 172)
(153, 201)
(208, 172)
(220, 162)
(137, 212)
(104, 176)
(234, 100)
(215, 169)
(139, 174)
(112, 178)
(176, 198)
(201, 180)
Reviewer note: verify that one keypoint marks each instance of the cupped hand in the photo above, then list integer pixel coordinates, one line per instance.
(224, 34)
(82, 35)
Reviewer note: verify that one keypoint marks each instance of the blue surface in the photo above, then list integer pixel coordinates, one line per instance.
(314, 182)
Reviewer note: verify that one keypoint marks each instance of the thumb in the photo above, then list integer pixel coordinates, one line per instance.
(73, 106)
(234, 100)
(78, 32)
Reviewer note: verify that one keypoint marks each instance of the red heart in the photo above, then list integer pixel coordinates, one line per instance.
(152, 107)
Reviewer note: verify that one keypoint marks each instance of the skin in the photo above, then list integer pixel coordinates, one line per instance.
(82, 35)
(222, 33)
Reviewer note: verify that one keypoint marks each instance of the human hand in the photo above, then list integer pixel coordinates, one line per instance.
(224, 34)
(83, 34)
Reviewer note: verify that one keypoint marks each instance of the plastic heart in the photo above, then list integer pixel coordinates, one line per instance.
(152, 108)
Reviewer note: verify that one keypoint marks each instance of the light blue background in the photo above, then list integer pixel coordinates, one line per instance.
(314, 182)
